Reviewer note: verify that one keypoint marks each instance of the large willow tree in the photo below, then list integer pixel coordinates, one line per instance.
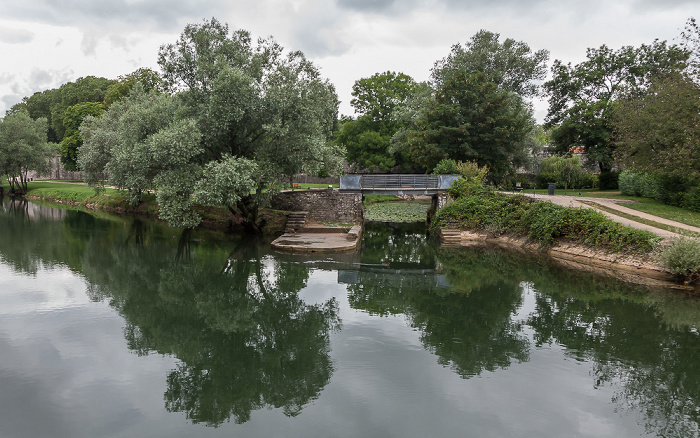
(260, 116)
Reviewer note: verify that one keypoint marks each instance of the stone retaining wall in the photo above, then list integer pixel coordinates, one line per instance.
(322, 205)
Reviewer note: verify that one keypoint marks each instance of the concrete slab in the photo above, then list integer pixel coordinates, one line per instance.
(315, 240)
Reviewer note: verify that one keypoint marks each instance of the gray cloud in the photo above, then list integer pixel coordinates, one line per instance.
(16, 36)
(161, 15)
(371, 5)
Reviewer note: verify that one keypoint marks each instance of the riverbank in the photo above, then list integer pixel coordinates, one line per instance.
(644, 269)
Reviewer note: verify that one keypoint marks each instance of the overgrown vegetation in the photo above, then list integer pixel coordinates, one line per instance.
(676, 188)
(395, 210)
(479, 208)
(682, 258)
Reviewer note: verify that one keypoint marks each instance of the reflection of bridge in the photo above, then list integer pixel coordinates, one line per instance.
(396, 184)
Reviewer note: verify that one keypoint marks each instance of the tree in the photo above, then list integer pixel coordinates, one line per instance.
(149, 80)
(378, 95)
(143, 144)
(243, 118)
(253, 102)
(690, 41)
(580, 97)
(567, 169)
(657, 132)
(23, 148)
(471, 119)
(52, 104)
(72, 140)
(511, 65)
(368, 138)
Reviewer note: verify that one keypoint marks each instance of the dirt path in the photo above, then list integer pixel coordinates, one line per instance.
(615, 204)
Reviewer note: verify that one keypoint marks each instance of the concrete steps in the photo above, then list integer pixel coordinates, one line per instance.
(295, 222)
(450, 237)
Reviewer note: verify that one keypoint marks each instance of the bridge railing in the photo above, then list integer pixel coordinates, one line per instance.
(396, 182)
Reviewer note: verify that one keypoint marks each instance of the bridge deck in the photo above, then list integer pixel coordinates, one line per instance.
(396, 184)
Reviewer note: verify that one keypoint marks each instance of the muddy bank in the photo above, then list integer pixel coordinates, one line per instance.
(641, 269)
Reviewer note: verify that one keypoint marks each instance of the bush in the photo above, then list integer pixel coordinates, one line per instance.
(446, 167)
(608, 180)
(637, 184)
(543, 222)
(543, 179)
(692, 199)
(671, 189)
(682, 258)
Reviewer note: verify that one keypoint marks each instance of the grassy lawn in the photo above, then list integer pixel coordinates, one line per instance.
(667, 211)
(644, 205)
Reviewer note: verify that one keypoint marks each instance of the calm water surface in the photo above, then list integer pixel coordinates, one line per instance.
(125, 328)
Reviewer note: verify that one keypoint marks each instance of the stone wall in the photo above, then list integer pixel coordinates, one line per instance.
(322, 205)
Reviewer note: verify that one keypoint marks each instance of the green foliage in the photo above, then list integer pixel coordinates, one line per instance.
(567, 170)
(149, 80)
(470, 119)
(366, 147)
(608, 180)
(72, 140)
(682, 258)
(581, 97)
(471, 182)
(380, 94)
(52, 104)
(543, 222)
(23, 148)
(367, 139)
(637, 184)
(511, 64)
(396, 211)
(142, 144)
(253, 101)
(657, 130)
(446, 166)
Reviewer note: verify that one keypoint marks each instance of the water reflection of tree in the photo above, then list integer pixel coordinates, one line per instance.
(245, 338)
(654, 368)
(470, 329)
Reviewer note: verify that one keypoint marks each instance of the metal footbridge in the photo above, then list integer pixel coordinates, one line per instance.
(396, 184)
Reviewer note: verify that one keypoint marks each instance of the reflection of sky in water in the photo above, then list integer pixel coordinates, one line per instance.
(65, 371)
(64, 368)
(50, 289)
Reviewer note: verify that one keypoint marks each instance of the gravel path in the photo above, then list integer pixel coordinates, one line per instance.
(615, 204)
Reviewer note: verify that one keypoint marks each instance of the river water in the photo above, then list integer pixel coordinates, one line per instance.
(113, 327)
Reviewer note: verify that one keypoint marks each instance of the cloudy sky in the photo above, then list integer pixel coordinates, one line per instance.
(45, 43)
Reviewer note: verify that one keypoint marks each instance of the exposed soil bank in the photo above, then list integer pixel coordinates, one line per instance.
(633, 268)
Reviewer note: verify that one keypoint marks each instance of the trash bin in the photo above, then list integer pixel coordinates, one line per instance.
(550, 190)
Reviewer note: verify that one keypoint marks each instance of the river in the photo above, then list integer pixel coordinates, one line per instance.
(121, 327)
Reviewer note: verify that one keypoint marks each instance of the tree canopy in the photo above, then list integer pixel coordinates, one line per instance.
(471, 119)
(72, 140)
(368, 138)
(242, 118)
(512, 65)
(657, 131)
(580, 96)
(23, 147)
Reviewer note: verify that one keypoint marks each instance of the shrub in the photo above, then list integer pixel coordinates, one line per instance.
(637, 184)
(692, 199)
(682, 258)
(543, 179)
(608, 180)
(446, 167)
(543, 222)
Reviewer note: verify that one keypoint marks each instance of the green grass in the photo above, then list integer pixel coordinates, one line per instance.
(667, 211)
(645, 205)
(644, 221)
